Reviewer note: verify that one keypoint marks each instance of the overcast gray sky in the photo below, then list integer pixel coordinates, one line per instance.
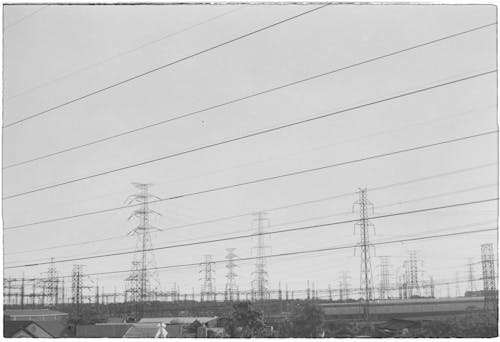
(55, 53)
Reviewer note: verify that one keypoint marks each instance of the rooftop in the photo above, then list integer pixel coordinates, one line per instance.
(32, 312)
(177, 320)
(102, 330)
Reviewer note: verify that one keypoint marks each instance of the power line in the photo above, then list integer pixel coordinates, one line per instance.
(256, 180)
(8, 27)
(245, 97)
(163, 230)
(238, 138)
(162, 67)
(119, 54)
(264, 233)
(303, 252)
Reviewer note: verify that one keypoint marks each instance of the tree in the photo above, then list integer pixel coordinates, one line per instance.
(308, 321)
(245, 322)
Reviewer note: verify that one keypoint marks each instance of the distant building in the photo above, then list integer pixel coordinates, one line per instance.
(35, 315)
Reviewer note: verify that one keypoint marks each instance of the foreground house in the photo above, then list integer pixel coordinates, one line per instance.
(16, 329)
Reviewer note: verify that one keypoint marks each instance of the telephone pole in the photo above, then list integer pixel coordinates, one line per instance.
(366, 282)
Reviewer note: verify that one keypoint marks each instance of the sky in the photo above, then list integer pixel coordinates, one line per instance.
(54, 54)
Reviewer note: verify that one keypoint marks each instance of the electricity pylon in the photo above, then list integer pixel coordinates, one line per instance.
(366, 277)
(143, 280)
(260, 289)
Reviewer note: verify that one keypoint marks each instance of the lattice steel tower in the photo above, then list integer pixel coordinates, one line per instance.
(208, 288)
(489, 280)
(260, 290)
(344, 286)
(385, 284)
(231, 286)
(470, 274)
(52, 284)
(143, 280)
(412, 273)
(366, 277)
(77, 287)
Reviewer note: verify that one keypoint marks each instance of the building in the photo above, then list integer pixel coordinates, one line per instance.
(16, 329)
(146, 331)
(209, 322)
(35, 315)
(110, 330)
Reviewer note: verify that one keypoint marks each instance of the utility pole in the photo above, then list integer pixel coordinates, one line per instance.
(143, 280)
(489, 280)
(366, 277)
(231, 286)
(260, 282)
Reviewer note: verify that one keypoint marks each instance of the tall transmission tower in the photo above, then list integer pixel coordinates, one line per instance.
(231, 286)
(77, 287)
(470, 275)
(208, 288)
(52, 284)
(489, 280)
(260, 289)
(458, 292)
(385, 284)
(412, 275)
(366, 276)
(344, 285)
(143, 280)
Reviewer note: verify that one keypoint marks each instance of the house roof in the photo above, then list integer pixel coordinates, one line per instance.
(12, 327)
(143, 330)
(102, 330)
(55, 328)
(32, 312)
(177, 320)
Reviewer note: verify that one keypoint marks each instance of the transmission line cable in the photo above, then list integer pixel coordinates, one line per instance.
(225, 218)
(299, 252)
(258, 180)
(264, 233)
(114, 85)
(223, 142)
(119, 54)
(244, 97)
